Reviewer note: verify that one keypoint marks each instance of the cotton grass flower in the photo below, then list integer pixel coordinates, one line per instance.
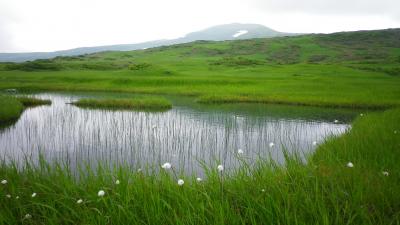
(4, 182)
(154, 127)
(34, 194)
(350, 165)
(271, 144)
(361, 114)
(220, 168)
(262, 190)
(28, 216)
(199, 179)
(17, 197)
(181, 182)
(139, 170)
(240, 151)
(166, 166)
(101, 193)
(117, 182)
(8, 196)
(314, 143)
(80, 201)
(336, 121)
(385, 173)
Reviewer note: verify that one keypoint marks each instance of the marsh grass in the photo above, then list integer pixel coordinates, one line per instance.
(144, 103)
(30, 101)
(10, 109)
(323, 191)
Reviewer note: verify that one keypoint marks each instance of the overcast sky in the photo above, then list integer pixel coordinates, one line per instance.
(48, 25)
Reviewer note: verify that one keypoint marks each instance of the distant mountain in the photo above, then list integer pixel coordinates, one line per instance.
(216, 33)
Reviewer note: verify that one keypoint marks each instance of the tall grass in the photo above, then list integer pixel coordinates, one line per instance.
(29, 101)
(146, 103)
(323, 191)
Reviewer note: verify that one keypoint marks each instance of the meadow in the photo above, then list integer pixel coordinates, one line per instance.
(355, 69)
(348, 179)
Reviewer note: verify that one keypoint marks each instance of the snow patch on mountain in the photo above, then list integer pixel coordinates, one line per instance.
(239, 33)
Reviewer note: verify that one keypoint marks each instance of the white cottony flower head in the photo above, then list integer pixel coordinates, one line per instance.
(336, 121)
(361, 114)
(314, 143)
(262, 190)
(117, 182)
(154, 127)
(166, 166)
(385, 173)
(180, 182)
(101, 193)
(33, 194)
(240, 151)
(4, 182)
(28, 216)
(17, 197)
(139, 170)
(271, 144)
(350, 165)
(80, 201)
(8, 196)
(220, 168)
(199, 179)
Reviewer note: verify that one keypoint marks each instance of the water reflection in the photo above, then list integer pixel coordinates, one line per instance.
(184, 135)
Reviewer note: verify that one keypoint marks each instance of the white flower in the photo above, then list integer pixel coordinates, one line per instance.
(28, 216)
(350, 165)
(336, 121)
(4, 182)
(199, 179)
(385, 173)
(80, 201)
(33, 194)
(8, 196)
(101, 193)
(240, 151)
(271, 144)
(117, 182)
(361, 114)
(154, 127)
(220, 168)
(180, 182)
(166, 166)
(139, 170)
(314, 143)
(17, 197)
(262, 190)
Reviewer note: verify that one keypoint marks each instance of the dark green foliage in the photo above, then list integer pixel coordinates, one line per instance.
(38, 65)
(236, 61)
(139, 66)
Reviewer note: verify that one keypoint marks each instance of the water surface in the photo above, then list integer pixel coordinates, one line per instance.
(185, 135)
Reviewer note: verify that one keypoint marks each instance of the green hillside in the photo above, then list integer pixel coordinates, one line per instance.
(352, 69)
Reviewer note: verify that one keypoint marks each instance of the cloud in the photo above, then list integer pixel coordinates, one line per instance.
(332, 7)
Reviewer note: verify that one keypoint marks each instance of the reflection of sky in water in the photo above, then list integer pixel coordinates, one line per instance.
(182, 135)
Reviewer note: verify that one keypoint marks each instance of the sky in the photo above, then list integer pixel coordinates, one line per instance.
(49, 25)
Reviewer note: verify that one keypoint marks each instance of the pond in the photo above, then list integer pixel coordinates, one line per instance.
(187, 134)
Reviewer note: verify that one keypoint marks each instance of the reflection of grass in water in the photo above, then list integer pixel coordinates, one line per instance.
(146, 103)
(29, 101)
(324, 191)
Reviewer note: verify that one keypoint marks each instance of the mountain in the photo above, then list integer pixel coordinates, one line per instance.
(215, 33)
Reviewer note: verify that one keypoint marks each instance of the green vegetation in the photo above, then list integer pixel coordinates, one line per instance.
(10, 109)
(326, 190)
(146, 103)
(354, 69)
(30, 102)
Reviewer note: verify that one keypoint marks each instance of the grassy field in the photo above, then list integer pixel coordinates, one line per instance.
(352, 179)
(355, 69)
(147, 103)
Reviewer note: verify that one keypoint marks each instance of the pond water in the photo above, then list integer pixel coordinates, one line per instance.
(187, 134)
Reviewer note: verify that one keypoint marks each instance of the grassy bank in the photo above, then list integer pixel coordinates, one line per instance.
(327, 190)
(146, 103)
(10, 109)
(359, 69)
